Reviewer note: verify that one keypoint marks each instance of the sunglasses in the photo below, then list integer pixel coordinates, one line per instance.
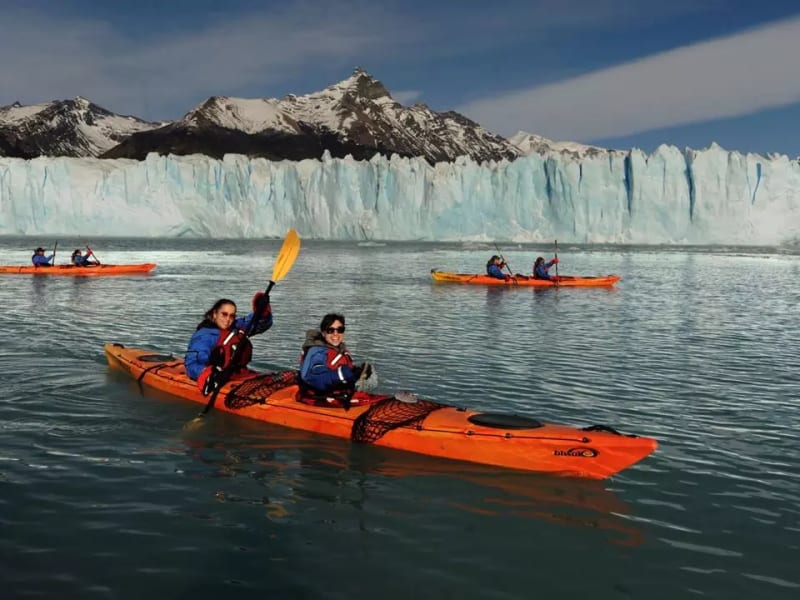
(227, 314)
(335, 329)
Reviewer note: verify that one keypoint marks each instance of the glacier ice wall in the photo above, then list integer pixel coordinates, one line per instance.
(709, 196)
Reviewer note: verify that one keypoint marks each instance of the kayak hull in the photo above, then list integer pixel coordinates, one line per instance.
(102, 270)
(445, 432)
(525, 281)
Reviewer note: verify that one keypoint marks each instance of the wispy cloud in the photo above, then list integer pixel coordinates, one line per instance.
(91, 58)
(165, 70)
(725, 77)
(405, 96)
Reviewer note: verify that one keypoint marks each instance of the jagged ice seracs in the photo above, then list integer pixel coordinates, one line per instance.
(709, 196)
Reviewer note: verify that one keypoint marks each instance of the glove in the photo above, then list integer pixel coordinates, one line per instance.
(362, 372)
(555, 260)
(366, 371)
(357, 372)
(368, 380)
(217, 357)
(261, 305)
(213, 381)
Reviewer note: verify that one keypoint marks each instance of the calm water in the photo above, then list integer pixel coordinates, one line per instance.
(103, 494)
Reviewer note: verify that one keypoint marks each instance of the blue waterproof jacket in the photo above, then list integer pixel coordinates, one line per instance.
(40, 260)
(540, 272)
(205, 338)
(80, 260)
(492, 270)
(324, 367)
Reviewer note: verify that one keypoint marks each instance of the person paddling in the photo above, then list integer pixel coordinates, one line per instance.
(213, 346)
(79, 259)
(494, 268)
(540, 269)
(40, 260)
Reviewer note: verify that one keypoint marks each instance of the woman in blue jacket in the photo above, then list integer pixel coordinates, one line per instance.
(213, 346)
(540, 269)
(327, 372)
(494, 268)
(80, 260)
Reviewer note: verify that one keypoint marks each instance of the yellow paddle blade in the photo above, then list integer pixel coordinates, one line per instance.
(194, 423)
(286, 257)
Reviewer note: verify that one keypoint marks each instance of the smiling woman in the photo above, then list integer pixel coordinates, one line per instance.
(213, 346)
(328, 374)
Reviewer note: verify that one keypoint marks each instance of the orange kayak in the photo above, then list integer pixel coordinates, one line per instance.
(524, 280)
(404, 422)
(102, 270)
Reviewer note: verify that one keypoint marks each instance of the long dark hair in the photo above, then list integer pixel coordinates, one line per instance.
(208, 318)
(329, 319)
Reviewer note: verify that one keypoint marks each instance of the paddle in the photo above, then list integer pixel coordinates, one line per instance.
(556, 263)
(97, 260)
(54, 253)
(286, 257)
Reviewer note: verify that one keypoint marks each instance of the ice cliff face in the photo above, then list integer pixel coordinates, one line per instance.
(699, 197)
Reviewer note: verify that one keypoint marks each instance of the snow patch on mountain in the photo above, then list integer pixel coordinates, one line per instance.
(530, 143)
(76, 128)
(358, 109)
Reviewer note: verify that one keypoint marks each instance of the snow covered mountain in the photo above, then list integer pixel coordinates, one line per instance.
(356, 116)
(75, 128)
(530, 143)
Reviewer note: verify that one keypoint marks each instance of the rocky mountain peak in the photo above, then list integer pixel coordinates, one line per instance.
(362, 85)
(356, 116)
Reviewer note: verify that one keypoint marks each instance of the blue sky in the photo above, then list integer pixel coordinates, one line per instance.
(616, 73)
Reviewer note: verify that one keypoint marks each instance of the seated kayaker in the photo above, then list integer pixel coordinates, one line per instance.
(79, 259)
(212, 358)
(540, 269)
(494, 268)
(327, 373)
(40, 260)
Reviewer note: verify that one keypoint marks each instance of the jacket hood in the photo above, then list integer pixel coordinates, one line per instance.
(314, 338)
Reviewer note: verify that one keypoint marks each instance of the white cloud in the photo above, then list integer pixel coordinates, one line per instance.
(405, 97)
(81, 56)
(725, 77)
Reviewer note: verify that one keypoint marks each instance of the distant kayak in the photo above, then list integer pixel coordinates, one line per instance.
(103, 270)
(404, 422)
(525, 281)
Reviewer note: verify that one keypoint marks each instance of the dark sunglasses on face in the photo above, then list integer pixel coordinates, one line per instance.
(335, 329)
(227, 314)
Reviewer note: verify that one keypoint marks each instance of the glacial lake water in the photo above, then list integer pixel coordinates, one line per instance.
(104, 494)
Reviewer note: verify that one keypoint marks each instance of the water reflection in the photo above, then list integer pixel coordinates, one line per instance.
(295, 466)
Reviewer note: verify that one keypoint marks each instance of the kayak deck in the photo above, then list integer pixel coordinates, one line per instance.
(410, 424)
(525, 281)
(102, 270)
